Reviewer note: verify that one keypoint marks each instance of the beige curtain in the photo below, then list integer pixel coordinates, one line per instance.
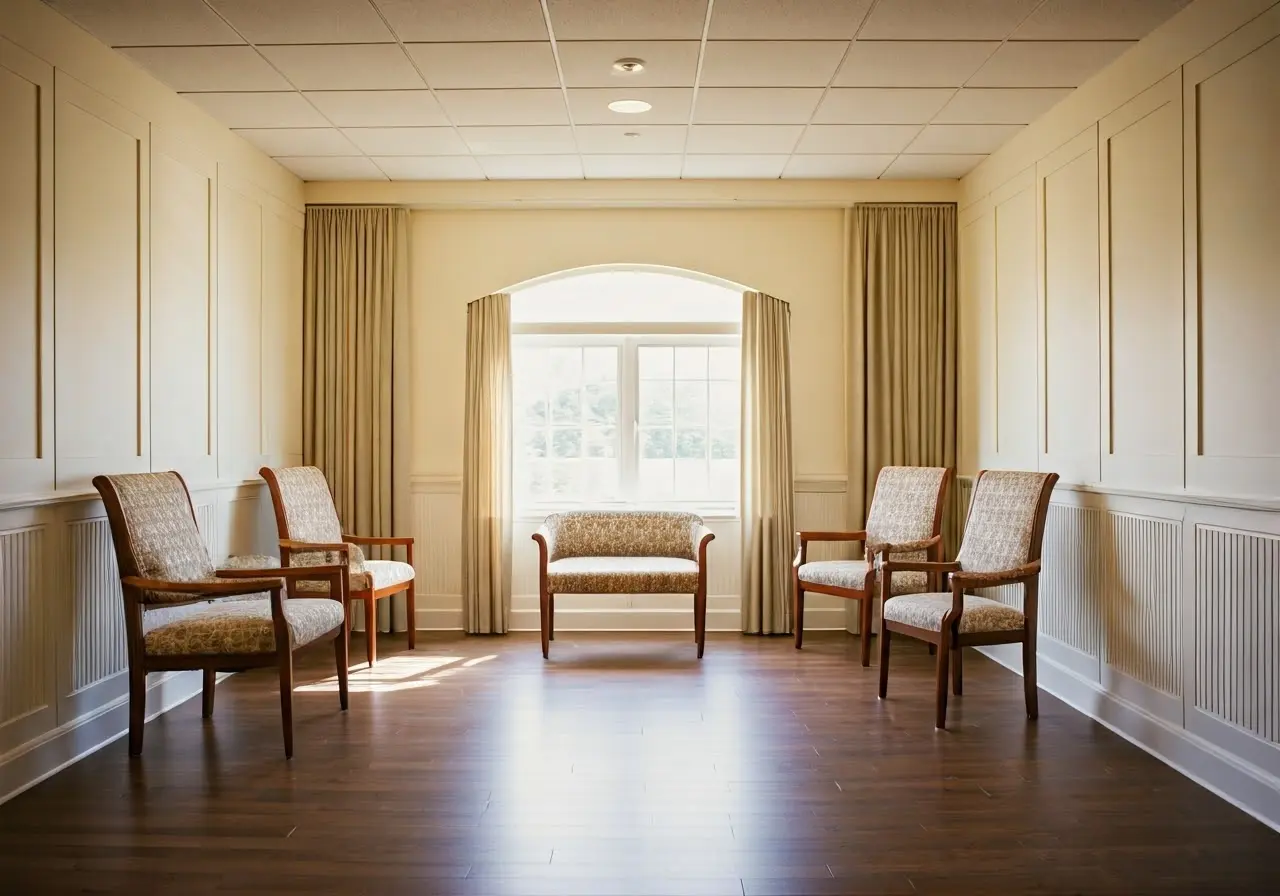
(355, 300)
(767, 475)
(486, 467)
(902, 343)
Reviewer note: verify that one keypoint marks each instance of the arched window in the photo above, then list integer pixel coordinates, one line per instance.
(626, 391)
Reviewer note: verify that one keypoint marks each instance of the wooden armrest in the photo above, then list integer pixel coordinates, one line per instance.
(295, 573)
(1000, 577)
(317, 547)
(544, 537)
(905, 547)
(406, 540)
(248, 585)
(701, 536)
(919, 566)
(831, 536)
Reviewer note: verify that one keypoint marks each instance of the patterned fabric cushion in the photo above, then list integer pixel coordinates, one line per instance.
(926, 611)
(251, 561)
(241, 626)
(622, 575)
(904, 505)
(852, 574)
(161, 529)
(622, 533)
(376, 573)
(310, 515)
(1002, 514)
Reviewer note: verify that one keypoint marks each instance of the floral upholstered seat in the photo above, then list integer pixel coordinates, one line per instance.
(232, 626)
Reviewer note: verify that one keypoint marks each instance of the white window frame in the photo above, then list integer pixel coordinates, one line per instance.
(629, 338)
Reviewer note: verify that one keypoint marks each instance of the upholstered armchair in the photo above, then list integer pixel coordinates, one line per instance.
(183, 614)
(1001, 546)
(906, 513)
(311, 534)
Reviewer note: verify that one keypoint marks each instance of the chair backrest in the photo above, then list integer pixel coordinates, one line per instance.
(153, 527)
(1005, 526)
(303, 503)
(623, 533)
(907, 505)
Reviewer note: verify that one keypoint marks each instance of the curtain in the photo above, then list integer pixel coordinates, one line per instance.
(355, 300)
(767, 476)
(902, 339)
(486, 467)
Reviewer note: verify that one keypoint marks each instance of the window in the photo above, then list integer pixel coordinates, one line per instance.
(626, 392)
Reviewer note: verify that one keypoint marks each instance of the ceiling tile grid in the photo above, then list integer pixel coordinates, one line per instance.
(519, 89)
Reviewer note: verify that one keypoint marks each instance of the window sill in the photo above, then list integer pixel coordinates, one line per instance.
(710, 516)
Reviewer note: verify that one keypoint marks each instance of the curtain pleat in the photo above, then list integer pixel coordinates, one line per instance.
(486, 467)
(355, 290)
(902, 316)
(767, 475)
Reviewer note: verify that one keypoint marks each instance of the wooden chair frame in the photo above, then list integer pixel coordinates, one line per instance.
(867, 594)
(238, 582)
(948, 642)
(370, 596)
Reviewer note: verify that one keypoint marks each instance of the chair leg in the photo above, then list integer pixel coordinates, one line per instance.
(137, 709)
(957, 670)
(884, 660)
(944, 654)
(206, 696)
(798, 602)
(865, 626)
(342, 661)
(544, 613)
(286, 700)
(551, 617)
(700, 619)
(411, 620)
(371, 629)
(1029, 676)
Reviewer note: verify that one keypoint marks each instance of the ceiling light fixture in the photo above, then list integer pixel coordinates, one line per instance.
(630, 107)
(629, 66)
(631, 134)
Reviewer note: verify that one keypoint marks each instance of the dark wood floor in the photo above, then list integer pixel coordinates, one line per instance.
(625, 767)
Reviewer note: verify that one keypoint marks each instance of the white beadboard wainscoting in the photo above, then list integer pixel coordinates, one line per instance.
(63, 664)
(437, 526)
(1160, 618)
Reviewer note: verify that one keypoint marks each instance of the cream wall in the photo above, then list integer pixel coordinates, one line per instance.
(150, 289)
(1118, 326)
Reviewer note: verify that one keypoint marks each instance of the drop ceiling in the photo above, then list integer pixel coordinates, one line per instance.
(503, 89)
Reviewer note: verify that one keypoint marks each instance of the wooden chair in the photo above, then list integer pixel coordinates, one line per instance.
(311, 534)
(1001, 546)
(906, 511)
(182, 614)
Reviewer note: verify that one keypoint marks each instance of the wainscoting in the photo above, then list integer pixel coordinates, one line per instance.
(437, 522)
(63, 687)
(1160, 618)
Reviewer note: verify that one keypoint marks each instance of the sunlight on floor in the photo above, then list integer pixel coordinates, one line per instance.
(398, 673)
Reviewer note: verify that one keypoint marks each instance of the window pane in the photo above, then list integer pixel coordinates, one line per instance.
(602, 403)
(626, 296)
(724, 444)
(655, 443)
(691, 363)
(691, 404)
(726, 400)
(691, 480)
(655, 481)
(566, 365)
(655, 362)
(725, 362)
(600, 364)
(691, 443)
(601, 442)
(566, 405)
(566, 443)
(535, 443)
(564, 481)
(655, 403)
(723, 484)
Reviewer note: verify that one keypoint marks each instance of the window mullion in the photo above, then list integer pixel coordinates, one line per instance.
(629, 398)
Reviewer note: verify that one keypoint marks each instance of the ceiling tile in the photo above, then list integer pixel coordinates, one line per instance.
(931, 167)
(768, 167)
(590, 105)
(1097, 19)
(667, 63)
(198, 69)
(913, 63)
(755, 139)
(771, 63)
(504, 107)
(952, 20)
(407, 141)
(464, 20)
(305, 21)
(649, 138)
(379, 108)
(881, 105)
(430, 167)
(139, 23)
(623, 167)
(999, 105)
(332, 167)
(787, 19)
(531, 167)
(756, 105)
(963, 138)
(857, 139)
(510, 64)
(852, 167)
(1047, 63)
(627, 19)
(260, 110)
(527, 141)
(299, 141)
(344, 66)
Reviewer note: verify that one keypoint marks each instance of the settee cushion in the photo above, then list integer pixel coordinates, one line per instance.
(622, 533)
(622, 575)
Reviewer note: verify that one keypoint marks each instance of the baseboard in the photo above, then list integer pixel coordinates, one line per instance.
(1244, 785)
(31, 763)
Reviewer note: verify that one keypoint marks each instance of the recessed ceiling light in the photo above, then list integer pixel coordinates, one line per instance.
(630, 107)
(631, 134)
(629, 66)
